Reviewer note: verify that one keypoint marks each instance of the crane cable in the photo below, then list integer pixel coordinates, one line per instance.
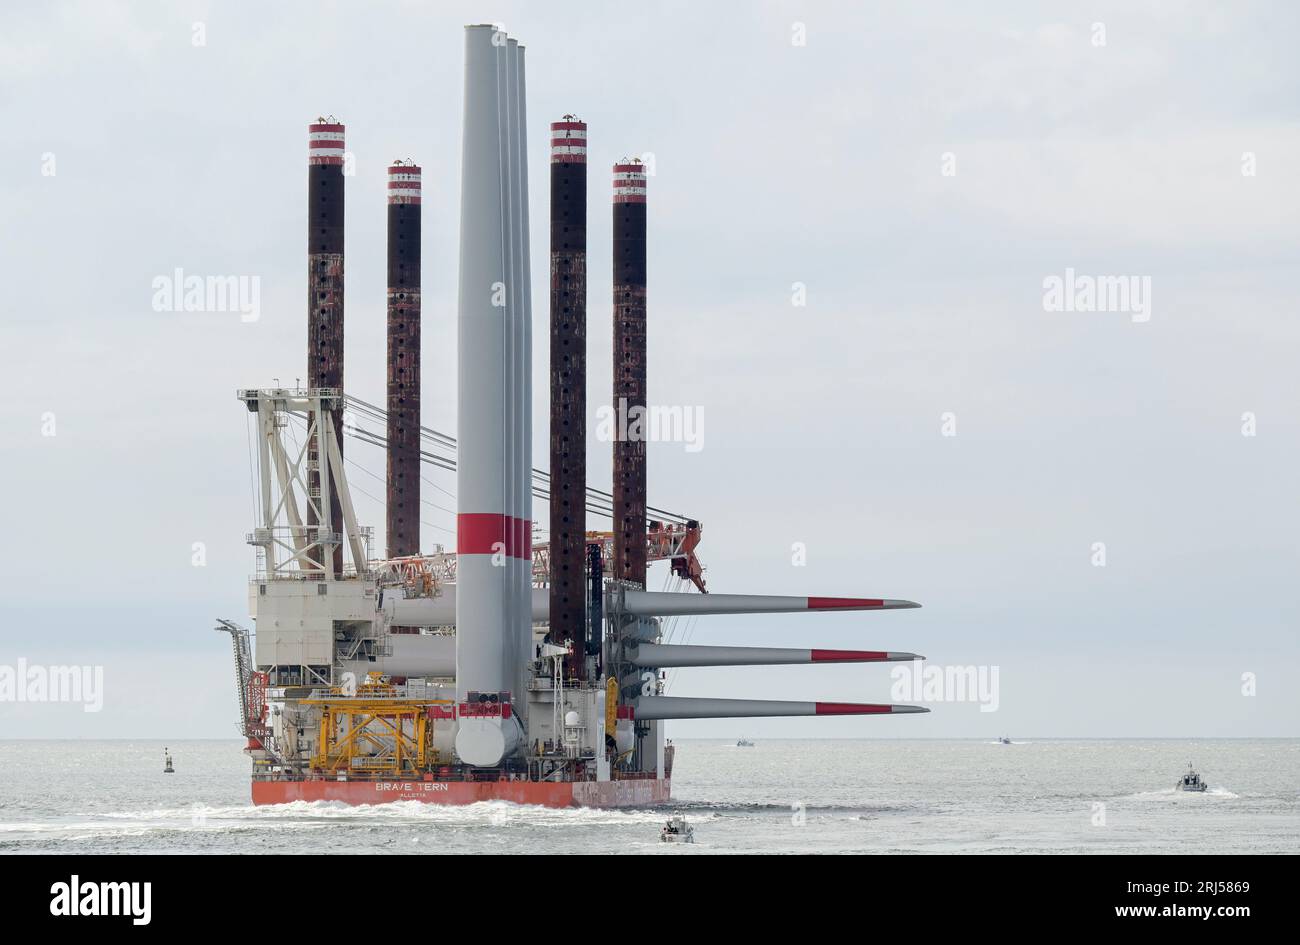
(598, 500)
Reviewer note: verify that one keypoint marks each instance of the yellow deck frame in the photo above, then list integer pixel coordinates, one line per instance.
(354, 726)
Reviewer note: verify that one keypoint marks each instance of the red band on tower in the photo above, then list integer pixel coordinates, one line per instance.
(629, 183)
(487, 533)
(569, 142)
(325, 143)
(403, 184)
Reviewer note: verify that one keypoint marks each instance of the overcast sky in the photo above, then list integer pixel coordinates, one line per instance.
(920, 169)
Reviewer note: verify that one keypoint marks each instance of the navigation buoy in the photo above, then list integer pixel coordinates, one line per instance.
(167, 763)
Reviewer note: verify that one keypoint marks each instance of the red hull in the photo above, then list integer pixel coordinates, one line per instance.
(642, 792)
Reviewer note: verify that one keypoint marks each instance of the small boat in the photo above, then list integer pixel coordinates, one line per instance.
(1191, 781)
(167, 763)
(677, 830)
(1003, 740)
(744, 743)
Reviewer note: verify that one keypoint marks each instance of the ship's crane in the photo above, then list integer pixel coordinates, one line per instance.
(670, 536)
(665, 541)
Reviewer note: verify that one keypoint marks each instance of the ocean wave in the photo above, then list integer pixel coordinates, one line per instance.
(495, 813)
(1175, 793)
(722, 809)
